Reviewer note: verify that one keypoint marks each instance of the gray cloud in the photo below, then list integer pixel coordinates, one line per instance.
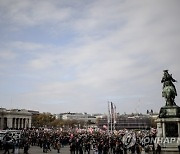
(117, 51)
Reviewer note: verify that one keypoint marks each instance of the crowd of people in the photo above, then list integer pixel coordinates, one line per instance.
(80, 141)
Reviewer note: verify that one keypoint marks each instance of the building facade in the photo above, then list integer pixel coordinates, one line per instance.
(127, 122)
(15, 119)
(77, 116)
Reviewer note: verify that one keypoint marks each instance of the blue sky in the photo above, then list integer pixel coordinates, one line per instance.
(60, 56)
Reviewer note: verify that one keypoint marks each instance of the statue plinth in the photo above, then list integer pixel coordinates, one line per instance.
(168, 126)
(169, 112)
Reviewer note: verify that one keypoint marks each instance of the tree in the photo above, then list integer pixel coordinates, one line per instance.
(49, 120)
(42, 120)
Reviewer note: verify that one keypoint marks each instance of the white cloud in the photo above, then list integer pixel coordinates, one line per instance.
(27, 46)
(6, 54)
(31, 13)
(115, 50)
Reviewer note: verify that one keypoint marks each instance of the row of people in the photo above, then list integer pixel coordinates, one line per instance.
(79, 142)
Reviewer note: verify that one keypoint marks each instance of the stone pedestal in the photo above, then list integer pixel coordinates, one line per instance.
(168, 127)
(169, 112)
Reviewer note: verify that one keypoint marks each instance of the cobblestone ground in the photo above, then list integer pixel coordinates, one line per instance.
(65, 150)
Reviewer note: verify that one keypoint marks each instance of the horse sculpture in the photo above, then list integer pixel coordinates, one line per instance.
(169, 94)
(169, 89)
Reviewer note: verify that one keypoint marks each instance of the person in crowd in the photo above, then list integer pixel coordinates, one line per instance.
(26, 147)
(100, 147)
(58, 146)
(7, 145)
(49, 145)
(45, 147)
(138, 149)
(179, 148)
(72, 147)
(158, 149)
(79, 142)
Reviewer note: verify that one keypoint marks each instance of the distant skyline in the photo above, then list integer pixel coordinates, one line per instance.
(75, 56)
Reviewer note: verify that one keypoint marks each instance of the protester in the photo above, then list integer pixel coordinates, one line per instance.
(80, 141)
(26, 147)
(179, 148)
(158, 149)
(58, 146)
(6, 143)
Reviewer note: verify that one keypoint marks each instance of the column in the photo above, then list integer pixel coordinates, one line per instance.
(163, 129)
(17, 123)
(14, 123)
(0, 123)
(178, 128)
(20, 123)
(9, 122)
(30, 123)
(24, 123)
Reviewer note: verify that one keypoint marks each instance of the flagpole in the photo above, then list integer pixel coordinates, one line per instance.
(114, 117)
(108, 117)
(111, 117)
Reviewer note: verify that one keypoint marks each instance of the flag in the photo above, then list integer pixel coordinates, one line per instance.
(112, 109)
(114, 113)
(153, 131)
(109, 113)
(104, 126)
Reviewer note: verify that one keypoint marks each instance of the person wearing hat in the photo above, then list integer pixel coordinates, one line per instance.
(168, 80)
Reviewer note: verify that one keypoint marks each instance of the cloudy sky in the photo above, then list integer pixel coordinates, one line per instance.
(76, 55)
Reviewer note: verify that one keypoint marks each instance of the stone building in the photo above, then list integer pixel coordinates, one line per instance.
(77, 116)
(14, 119)
(133, 121)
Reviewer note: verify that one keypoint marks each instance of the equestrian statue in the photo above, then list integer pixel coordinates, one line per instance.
(169, 90)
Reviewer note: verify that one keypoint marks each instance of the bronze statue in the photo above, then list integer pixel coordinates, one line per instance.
(169, 89)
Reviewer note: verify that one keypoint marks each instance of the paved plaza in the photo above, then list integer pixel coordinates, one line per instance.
(65, 150)
(38, 150)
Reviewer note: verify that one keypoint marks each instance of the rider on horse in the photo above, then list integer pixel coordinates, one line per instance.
(168, 80)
